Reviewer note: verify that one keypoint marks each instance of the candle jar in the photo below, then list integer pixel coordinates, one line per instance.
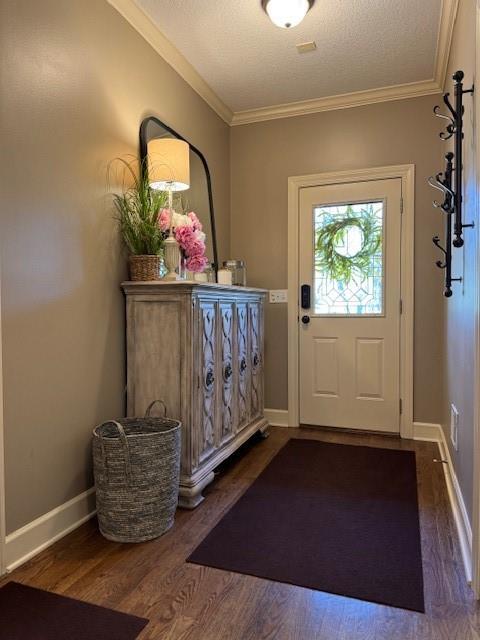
(239, 273)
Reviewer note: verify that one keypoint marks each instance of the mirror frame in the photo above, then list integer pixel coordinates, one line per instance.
(143, 155)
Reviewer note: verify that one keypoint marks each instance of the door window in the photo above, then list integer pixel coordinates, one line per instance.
(348, 269)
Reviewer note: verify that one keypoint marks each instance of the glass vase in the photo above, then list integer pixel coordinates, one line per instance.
(182, 268)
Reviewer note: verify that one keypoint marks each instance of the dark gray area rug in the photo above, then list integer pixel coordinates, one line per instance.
(337, 518)
(27, 613)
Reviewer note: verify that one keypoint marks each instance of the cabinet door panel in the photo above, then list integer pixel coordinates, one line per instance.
(207, 380)
(243, 366)
(226, 377)
(256, 355)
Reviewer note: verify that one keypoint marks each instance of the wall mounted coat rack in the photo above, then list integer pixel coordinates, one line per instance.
(449, 183)
(445, 180)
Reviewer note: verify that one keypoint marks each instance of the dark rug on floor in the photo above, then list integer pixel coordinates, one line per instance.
(331, 517)
(32, 614)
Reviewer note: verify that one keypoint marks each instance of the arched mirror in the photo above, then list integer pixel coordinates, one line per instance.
(198, 197)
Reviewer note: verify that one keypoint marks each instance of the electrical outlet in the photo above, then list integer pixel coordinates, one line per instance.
(454, 426)
(277, 296)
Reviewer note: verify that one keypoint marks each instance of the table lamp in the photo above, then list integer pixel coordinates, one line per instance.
(169, 170)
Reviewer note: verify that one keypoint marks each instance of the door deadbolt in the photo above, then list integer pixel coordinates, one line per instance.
(305, 296)
(305, 319)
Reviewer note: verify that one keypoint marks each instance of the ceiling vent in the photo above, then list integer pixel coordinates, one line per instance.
(305, 47)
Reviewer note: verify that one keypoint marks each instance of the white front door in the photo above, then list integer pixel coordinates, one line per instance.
(349, 311)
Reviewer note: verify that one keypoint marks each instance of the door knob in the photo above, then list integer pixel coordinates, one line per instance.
(305, 319)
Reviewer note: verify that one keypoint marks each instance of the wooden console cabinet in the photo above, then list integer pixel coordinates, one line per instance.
(199, 348)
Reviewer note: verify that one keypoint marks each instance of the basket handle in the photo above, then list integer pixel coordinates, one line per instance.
(126, 450)
(152, 404)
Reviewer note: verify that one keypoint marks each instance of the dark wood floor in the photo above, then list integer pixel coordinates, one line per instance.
(185, 601)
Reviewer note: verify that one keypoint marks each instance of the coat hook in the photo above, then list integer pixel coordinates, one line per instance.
(433, 183)
(450, 108)
(436, 242)
(449, 134)
(450, 127)
(446, 207)
(438, 183)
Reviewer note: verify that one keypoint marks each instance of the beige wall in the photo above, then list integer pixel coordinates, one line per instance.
(264, 155)
(76, 80)
(459, 333)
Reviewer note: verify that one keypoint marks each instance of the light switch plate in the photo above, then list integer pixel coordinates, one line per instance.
(277, 296)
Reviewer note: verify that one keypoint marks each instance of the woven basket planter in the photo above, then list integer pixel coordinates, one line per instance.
(144, 268)
(136, 464)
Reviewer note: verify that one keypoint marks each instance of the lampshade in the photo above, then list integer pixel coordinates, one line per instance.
(286, 13)
(169, 164)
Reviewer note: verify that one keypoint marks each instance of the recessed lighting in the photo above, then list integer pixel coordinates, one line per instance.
(287, 13)
(304, 47)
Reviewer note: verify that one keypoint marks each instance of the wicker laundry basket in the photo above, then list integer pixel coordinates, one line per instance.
(136, 465)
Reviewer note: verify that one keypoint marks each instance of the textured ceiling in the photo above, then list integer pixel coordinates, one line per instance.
(250, 63)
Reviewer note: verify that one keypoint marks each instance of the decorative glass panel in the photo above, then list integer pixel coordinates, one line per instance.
(348, 266)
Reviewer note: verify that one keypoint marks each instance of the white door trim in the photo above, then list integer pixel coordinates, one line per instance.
(2, 461)
(407, 175)
(476, 396)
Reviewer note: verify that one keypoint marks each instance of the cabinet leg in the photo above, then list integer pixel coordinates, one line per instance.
(191, 497)
(264, 432)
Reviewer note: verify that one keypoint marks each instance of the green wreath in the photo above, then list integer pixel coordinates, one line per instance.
(343, 267)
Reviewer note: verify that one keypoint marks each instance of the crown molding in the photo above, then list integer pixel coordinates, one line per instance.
(155, 38)
(342, 101)
(444, 40)
(152, 34)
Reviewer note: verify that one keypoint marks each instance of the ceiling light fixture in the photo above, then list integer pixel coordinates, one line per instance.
(287, 13)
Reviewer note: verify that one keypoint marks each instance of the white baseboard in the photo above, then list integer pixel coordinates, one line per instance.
(277, 417)
(26, 542)
(427, 431)
(435, 433)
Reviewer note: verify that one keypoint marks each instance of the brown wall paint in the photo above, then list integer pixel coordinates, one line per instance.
(264, 155)
(459, 331)
(76, 81)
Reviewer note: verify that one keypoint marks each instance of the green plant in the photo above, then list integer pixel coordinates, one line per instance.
(137, 211)
(333, 235)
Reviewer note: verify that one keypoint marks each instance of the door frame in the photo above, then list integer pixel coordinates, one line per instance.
(406, 173)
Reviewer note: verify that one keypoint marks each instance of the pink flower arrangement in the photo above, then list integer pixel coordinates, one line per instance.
(197, 225)
(187, 230)
(196, 264)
